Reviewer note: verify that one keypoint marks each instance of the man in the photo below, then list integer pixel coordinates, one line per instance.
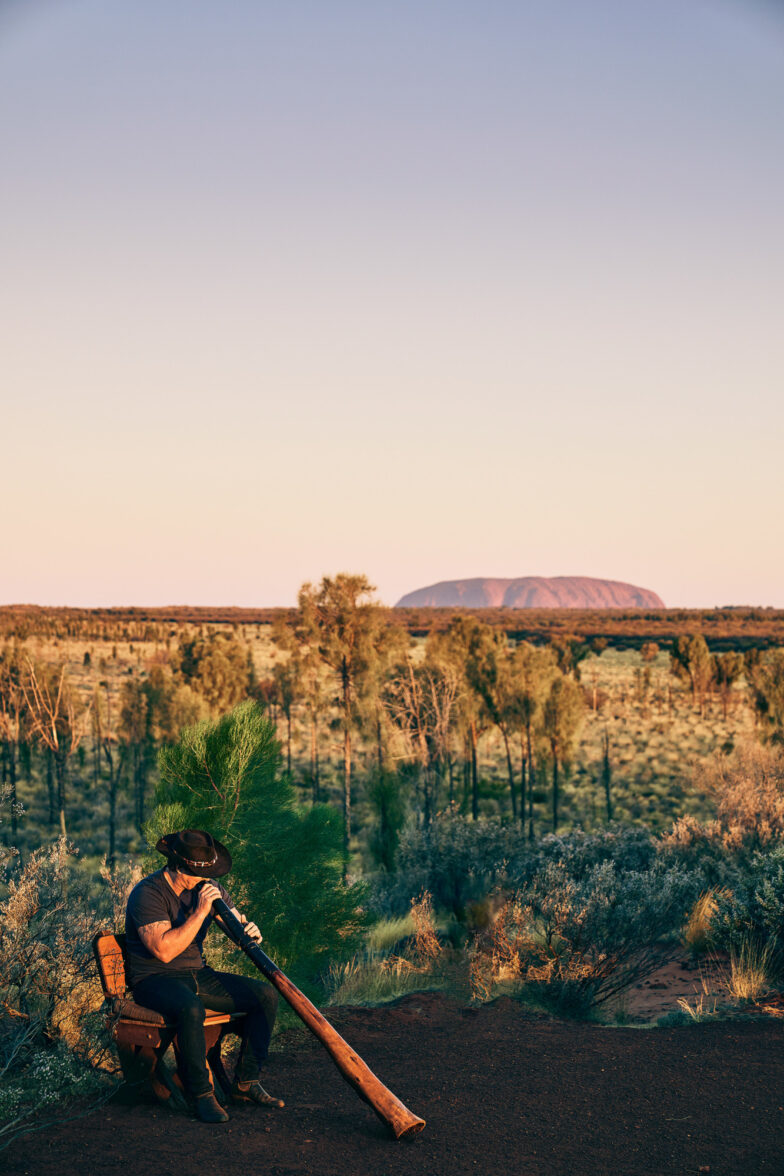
(167, 919)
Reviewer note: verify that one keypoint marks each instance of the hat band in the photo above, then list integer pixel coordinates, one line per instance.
(190, 861)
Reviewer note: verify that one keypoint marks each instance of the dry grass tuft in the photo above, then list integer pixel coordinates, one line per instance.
(427, 948)
(376, 977)
(700, 1010)
(373, 980)
(750, 971)
(496, 963)
(383, 936)
(696, 934)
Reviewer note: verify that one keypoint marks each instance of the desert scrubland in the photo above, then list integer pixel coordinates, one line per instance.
(653, 726)
(579, 813)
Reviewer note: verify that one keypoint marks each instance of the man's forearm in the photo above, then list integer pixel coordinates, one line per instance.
(174, 941)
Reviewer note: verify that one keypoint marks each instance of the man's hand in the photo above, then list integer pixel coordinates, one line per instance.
(207, 895)
(250, 929)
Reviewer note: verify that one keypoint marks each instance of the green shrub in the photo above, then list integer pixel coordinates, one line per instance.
(384, 792)
(54, 1044)
(694, 846)
(629, 848)
(457, 861)
(752, 913)
(583, 939)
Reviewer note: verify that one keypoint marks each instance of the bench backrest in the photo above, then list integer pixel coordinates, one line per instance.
(109, 952)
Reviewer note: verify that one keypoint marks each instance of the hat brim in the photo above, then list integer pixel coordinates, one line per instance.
(219, 867)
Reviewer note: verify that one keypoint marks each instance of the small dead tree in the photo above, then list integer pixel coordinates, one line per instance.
(115, 753)
(420, 700)
(11, 725)
(58, 721)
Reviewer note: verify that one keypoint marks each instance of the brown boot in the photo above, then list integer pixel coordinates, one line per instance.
(209, 1110)
(254, 1092)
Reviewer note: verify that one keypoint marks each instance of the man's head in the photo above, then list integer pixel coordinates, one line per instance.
(195, 855)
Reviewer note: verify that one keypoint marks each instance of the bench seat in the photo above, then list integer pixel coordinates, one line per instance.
(127, 1010)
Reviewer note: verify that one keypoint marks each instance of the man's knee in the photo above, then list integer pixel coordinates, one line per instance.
(270, 996)
(266, 998)
(192, 1011)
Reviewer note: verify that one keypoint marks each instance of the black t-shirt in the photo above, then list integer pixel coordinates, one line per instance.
(153, 901)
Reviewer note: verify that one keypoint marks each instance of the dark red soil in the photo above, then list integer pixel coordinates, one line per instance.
(502, 1091)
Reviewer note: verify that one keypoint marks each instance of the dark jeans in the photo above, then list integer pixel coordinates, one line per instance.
(183, 997)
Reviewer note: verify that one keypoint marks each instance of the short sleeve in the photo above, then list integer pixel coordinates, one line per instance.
(147, 905)
(225, 895)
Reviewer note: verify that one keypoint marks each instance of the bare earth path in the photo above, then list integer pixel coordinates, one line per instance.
(502, 1092)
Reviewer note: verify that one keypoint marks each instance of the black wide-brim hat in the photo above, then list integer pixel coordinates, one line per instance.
(195, 852)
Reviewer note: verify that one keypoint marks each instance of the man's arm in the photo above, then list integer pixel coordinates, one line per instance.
(166, 942)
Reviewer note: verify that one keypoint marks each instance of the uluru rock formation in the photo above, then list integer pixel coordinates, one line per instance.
(532, 592)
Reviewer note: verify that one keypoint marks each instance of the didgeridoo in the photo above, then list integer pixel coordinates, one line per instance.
(389, 1109)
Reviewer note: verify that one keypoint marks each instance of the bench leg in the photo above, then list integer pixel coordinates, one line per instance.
(144, 1064)
(137, 1062)
(167, 1087)
(141, 1051)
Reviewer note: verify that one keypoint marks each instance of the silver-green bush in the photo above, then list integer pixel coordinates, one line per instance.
(54, 1044)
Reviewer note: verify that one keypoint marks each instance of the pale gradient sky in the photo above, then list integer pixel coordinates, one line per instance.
(420, 289)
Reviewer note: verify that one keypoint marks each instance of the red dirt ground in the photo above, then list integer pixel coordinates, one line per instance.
(503, 1091)
(703, 979)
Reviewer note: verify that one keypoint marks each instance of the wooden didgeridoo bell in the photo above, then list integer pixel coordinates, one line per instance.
(401, 1122)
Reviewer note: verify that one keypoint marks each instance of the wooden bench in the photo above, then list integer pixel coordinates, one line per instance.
(142, 1036)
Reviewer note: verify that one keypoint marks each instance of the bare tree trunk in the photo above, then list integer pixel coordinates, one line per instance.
(314, 781)
(112, 819)
(346, 769)
(346, 794)
(288, 741)
(522, 781)
(50, 789)
(474, 776)
(554, 747)
(115, 773)
(9, 778)
(607, 775)
(379, 743)
(12, 787)
(60, 767)
(466, 770)
(140, 783)
(531, 778)
(450, 769)
(138, 804)
(427, 782)
(510, 771)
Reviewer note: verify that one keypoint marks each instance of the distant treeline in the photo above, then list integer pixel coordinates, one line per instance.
(722, 628)
(360, 707)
